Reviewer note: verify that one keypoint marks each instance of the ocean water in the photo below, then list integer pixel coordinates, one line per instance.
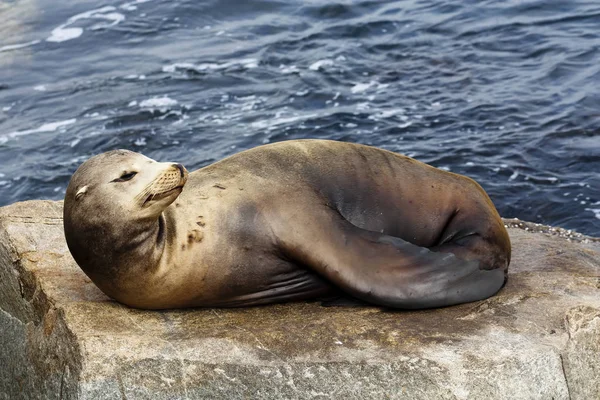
(504, 91)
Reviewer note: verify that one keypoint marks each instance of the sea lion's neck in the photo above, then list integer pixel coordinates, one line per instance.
(145, 244)
(129, 267)
(134, 249)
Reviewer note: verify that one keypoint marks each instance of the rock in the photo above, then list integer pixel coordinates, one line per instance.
(581, 357)
(60, 337)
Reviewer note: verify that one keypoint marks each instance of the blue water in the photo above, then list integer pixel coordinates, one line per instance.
(507, 92)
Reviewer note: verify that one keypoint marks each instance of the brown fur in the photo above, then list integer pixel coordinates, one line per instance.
(288, 221)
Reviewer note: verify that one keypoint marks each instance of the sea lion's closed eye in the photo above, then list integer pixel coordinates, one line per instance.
(127, 176)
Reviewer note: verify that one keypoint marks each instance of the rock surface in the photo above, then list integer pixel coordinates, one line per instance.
(60, 337)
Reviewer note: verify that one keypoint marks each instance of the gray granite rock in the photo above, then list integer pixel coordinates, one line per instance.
(60, 337)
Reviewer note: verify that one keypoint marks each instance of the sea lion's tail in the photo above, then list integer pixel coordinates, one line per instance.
(390, 271)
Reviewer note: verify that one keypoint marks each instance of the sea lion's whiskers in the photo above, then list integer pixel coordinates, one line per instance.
(145, 191)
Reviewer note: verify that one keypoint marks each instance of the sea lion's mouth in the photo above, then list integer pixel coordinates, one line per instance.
(161, 195)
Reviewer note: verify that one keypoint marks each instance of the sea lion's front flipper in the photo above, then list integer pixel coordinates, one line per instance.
(382, 269)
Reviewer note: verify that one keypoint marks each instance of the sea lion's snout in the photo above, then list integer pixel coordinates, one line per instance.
(181, 169)
(167, 181)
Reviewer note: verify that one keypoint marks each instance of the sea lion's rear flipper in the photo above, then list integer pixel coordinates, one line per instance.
(386, 270)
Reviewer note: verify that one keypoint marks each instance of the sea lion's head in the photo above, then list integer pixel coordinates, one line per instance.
(121, 182)
(114, 198)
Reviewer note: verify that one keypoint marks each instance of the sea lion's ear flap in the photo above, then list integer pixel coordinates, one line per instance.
(81, 192)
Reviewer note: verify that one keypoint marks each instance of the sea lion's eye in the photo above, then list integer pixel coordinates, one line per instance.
(127, 176)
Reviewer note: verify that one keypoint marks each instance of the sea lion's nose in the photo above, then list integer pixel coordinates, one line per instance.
(180, 168)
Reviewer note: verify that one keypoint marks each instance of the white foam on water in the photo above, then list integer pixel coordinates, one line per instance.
(170, 113)
(64, 32)
(96, 116)
(513, 176)
(158, 102)
(7, 108)
(248, 63)
(320, 64)
(2, 175)
(596, 211)
(550, 179)
(49, 127)
(362, 87)
(132, 5)
(203, 67)
(18, 46)
(391, 113)
(174, 67)
(269, 123)
(251, 105)
(288, 69)
(140, 142)
(40, 88)
(132, 103)
(114, 18)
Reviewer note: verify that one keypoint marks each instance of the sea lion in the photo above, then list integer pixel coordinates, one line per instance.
(293, 220)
